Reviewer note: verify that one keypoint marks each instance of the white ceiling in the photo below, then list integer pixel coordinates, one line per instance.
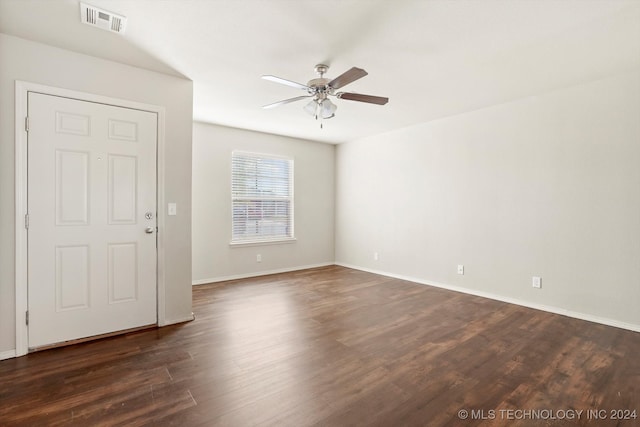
(432, 58)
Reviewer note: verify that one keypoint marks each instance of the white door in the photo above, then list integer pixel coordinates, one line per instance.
(92, 219)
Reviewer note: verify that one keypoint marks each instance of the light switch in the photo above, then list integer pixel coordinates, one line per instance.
(172, 209)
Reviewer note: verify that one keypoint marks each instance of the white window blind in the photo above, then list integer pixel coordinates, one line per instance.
(262, 198)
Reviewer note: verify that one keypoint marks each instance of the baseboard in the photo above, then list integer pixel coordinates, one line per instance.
(257, 274)
(178, 320)
(7, 354)
(542, 307)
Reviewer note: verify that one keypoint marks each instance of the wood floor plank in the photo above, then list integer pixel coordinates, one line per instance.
(333, 346)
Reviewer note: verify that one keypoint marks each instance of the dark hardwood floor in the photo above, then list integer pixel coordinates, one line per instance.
(336, 347)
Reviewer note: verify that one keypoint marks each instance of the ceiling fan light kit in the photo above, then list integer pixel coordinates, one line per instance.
(319, 89)
(324, 109)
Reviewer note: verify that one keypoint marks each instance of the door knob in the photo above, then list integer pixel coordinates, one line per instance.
(149, 230)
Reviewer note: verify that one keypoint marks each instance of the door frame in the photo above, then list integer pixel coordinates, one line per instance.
(22, 88)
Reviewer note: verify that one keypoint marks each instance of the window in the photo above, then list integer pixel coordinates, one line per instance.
(262, 198)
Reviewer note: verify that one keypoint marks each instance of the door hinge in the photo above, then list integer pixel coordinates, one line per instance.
(26, 317)
(26, 221)
(26, 124)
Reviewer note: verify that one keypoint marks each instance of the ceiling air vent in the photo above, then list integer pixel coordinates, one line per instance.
(101, 18)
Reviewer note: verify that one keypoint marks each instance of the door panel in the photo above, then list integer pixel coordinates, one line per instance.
(91, 179)
(123, 269)
(72, 277)
(72, 187)
(123, 173)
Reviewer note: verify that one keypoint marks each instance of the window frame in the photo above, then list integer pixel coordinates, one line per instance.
(269, 240)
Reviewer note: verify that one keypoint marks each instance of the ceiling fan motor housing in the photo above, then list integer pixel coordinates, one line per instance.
(319, 86)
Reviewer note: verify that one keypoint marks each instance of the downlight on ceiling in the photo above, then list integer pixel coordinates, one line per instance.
(102, 19)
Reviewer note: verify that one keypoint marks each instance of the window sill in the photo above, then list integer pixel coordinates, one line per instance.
(263, 242)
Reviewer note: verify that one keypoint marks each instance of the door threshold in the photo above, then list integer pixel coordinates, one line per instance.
(92, 338)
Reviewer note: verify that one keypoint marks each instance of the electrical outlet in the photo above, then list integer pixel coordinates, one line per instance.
(375, 256)
(536, 282)
(258, 258)
(460, 269)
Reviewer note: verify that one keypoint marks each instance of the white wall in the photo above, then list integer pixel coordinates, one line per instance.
(544, 186)
(37, 63)
(213, 258)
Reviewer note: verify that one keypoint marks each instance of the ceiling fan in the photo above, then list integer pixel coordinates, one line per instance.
(321, 88)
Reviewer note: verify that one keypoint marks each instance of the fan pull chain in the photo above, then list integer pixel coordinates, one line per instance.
(317, 109)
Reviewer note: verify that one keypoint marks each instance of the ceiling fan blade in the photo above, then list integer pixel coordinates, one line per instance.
(286, 82)
(380, 100)
(347, 77)
(286, 101)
